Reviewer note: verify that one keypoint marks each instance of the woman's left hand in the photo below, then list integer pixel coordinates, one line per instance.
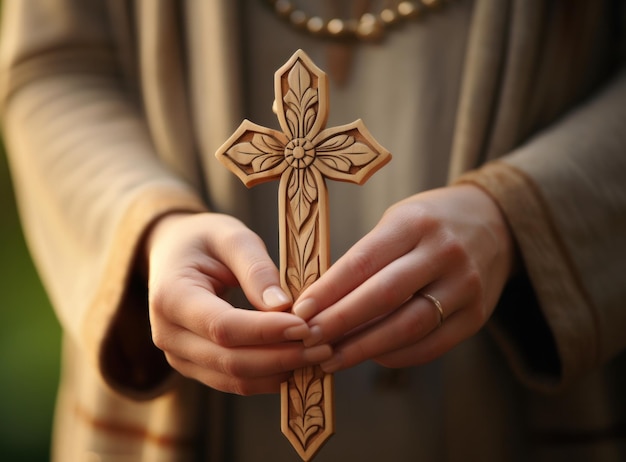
(451, 243)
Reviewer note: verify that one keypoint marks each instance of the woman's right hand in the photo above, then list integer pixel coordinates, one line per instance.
(192, 260)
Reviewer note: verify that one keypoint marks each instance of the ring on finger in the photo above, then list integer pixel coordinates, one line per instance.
(437, 305)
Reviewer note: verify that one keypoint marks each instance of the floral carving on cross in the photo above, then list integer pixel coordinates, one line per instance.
(302, 155)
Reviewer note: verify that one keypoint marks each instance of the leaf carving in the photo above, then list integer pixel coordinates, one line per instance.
(300, 101)
(267, 143)
(262, 153)
(306, 394)
(303, 262)
(299, 80)
(308, 120)
(348, 156)
(291, 116)
(302, 193)
(297, 400)
(336, 143)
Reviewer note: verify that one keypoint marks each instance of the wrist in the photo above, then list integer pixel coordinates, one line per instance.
(498, 224)
(157, 228)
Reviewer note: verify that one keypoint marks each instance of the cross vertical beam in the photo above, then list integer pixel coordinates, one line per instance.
(302, 155)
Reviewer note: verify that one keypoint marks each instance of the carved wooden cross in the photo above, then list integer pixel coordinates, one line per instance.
(302, 155)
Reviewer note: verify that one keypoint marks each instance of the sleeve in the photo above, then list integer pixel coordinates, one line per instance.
(563, 193)
(88, 181)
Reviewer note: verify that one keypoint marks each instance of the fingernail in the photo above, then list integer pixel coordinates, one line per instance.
(299, 332)
(318, 353)
(275, 297)
(333, 364)
(305, 309)
(315, 336)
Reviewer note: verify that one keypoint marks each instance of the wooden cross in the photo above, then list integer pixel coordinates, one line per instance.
(302, 155)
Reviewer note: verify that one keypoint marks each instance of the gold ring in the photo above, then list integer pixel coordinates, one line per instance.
(437, 304)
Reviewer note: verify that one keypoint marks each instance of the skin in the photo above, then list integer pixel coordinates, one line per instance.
(452, 243)
(204, 337)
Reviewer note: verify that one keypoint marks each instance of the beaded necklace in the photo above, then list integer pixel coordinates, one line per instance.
(361, 24)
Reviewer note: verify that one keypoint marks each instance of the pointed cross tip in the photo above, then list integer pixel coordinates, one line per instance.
(301, 55)
(300, 52)
(307, 454)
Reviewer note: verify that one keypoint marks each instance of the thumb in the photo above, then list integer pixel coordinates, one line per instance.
(246, 256)
(260, 281)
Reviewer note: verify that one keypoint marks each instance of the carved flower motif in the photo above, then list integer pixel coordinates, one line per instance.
(300, 153)
(342, 153)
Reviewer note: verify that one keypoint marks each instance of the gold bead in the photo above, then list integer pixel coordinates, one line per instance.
(369, 27)
(335, 26)
(408, 9)
(283, 7)
(298, 18)
(315, 24)
(388, 16)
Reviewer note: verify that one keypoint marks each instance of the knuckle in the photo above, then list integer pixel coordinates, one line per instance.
(257, 270)
(452, 248)
(342, 322)
(290, 362)
(163, 337)
(406, 219)
(165, 299)
(245, 387)
(242, 387)
(159, 339)
(388, 292)
(218, 330)
(359, 353)
(473, 282)
(414, 326)
(240, 237)
(474, 286)
(157, 300)
(421, 219)
(362, 264)
(231, 367)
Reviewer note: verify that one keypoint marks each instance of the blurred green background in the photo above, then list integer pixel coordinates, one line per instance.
(29, 343)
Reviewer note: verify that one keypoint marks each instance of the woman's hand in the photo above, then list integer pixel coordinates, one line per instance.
(192, 260)
(451, 243)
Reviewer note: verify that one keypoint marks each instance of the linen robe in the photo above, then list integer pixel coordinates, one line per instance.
(104, 139)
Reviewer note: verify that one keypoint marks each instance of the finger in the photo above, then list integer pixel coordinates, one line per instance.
(456, 329)
(412, 322)
(227, 383)
(245, 362)
(245, 254)
(376, 297)
(212, 318)
(367, 257)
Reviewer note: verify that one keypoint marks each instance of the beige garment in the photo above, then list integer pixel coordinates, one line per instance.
(110, 107)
